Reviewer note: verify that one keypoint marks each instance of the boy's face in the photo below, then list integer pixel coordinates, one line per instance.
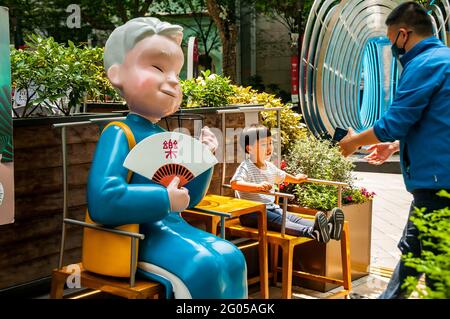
(261, 150)
(148, 77)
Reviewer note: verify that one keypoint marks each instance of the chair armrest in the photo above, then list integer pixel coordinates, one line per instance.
(325, 182)
(331, 183)
(105, 229)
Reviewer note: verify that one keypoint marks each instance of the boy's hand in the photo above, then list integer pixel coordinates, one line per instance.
(264, 187)
(301, 178)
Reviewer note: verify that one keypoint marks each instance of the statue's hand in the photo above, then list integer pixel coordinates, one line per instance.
(209, 139)
(178, 197)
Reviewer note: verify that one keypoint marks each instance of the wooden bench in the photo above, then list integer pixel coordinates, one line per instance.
(143, 289)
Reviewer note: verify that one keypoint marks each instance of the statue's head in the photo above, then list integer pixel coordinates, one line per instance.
(143, 59)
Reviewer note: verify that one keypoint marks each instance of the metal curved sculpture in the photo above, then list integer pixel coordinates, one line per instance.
(347, 73)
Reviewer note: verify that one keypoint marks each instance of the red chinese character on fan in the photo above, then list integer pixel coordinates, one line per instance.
(171, 148)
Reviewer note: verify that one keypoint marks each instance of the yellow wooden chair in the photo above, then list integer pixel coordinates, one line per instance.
(287, 243)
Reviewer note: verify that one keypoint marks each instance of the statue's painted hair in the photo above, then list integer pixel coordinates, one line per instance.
(125, 37)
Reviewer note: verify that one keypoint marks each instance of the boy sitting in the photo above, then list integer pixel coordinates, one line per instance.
(257, 174)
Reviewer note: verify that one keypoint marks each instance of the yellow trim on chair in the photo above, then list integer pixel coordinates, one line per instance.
(130, 138)
(106, 253)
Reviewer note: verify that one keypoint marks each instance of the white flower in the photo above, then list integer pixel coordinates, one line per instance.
(212, 76)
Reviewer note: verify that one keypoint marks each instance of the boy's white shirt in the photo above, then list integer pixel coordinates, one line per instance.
(249, 172)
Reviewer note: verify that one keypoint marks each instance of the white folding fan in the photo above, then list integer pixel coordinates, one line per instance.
(163, 156)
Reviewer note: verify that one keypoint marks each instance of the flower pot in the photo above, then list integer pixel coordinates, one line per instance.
(325, 260)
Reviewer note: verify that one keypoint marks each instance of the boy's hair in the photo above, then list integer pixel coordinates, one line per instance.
(125, 37)
(252, 134)
(412, 15)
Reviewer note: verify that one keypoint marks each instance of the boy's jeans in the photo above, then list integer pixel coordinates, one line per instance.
(295, 225)
(410, 243)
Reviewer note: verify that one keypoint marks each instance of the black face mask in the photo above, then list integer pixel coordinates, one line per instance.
(396, 51)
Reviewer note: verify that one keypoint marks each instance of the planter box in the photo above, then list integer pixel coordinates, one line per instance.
(325, 260)
(105, 107)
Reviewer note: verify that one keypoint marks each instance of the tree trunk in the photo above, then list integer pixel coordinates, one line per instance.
(229, 54)
(228, 35)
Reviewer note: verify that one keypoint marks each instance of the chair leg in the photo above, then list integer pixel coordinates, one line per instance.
(274, 249)
(57, 289)
(345, 254)
(288, 254)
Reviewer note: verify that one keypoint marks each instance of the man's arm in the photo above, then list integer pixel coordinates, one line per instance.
(413, 95)
(416, 88)
(352, 141)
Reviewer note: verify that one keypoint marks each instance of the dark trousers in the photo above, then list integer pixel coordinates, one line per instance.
(295, 225)
(410, 243)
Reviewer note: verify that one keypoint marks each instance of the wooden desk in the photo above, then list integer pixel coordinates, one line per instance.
(236, 207)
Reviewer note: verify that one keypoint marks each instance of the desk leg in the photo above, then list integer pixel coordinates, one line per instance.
(263, 254)
(222, 227)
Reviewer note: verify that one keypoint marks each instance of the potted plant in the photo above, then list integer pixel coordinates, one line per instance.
(207, 90)
(320, 159)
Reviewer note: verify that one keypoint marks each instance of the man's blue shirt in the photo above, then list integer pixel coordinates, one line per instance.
(419, 116)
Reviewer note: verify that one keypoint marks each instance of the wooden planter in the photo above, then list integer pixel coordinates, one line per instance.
(105, 107)
(326, 259)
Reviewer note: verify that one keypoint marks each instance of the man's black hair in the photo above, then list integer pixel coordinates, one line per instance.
(412, 15)
(252, 134)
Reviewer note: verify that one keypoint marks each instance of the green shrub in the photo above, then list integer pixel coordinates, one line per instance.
(212, 90)
(207, 90)
(101, 90)
(57, 77)
(290, 122)
(320, 159)
(434, 231)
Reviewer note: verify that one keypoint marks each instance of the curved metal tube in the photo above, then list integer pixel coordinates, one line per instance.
(344, 44)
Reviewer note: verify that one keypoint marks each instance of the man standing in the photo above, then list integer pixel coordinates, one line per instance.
(417, 124)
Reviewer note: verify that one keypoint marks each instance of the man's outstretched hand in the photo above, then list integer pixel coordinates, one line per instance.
(381, 152)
